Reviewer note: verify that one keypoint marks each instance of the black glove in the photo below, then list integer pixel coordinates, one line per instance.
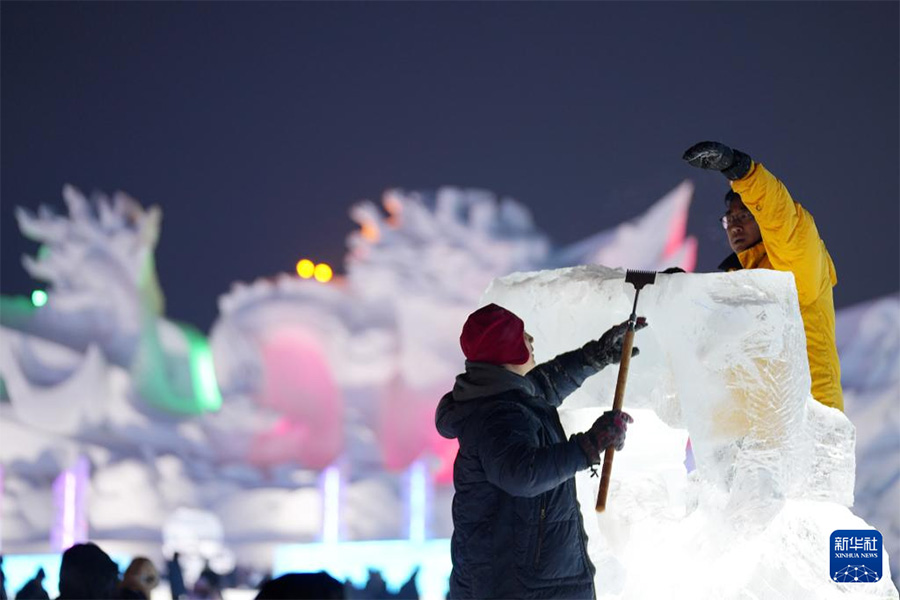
(733, 164)
(608, 349)
(608, 430)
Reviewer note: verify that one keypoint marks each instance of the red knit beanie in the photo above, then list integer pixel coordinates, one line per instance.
(494, 335)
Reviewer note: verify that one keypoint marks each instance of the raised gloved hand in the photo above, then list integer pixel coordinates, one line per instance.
(608, 349)
(608, 430)
(733, 164)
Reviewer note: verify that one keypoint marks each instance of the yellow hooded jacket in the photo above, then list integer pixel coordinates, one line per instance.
(791, 242)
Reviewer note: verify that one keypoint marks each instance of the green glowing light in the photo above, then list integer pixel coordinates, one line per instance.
(206, 388)
(39, 297)
(183, 385)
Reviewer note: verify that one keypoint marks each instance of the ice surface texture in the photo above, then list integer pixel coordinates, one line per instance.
(723, 361)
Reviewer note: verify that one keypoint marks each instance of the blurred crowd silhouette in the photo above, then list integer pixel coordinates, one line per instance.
(86, 571)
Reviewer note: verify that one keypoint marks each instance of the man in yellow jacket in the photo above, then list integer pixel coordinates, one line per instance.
(767, 229)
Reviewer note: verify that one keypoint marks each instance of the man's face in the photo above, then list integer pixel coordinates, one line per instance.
(529, 364)
(529, 343)
(741, 228)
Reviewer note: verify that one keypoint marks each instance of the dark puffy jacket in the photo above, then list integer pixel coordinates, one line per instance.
(517, 527)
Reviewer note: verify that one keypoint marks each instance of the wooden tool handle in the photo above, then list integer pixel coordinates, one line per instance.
(627, 344)
(604, 479)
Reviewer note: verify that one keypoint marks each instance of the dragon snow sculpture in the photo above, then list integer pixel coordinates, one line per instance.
(105, 308)
(367, 357)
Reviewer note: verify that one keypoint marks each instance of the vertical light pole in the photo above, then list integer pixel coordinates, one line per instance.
(330, 484)
(2, 489)
(70, 503)
(417, 501)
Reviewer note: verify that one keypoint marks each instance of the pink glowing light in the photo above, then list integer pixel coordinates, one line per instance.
(298, 384)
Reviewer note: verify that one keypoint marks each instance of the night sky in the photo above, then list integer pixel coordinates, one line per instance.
(256, 125)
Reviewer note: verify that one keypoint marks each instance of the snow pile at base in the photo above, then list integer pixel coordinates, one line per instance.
(724, 362)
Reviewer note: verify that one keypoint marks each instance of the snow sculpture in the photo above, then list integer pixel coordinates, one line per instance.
(723, 361)
(105, 307)
(381, 343)
(387, 331)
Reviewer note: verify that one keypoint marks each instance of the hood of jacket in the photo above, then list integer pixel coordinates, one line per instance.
(480, 381)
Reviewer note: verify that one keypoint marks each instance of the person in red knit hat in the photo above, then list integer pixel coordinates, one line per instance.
(517, 527)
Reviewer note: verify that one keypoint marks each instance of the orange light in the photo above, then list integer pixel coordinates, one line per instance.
(369, 232)
(323, 273)
(305, 268)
